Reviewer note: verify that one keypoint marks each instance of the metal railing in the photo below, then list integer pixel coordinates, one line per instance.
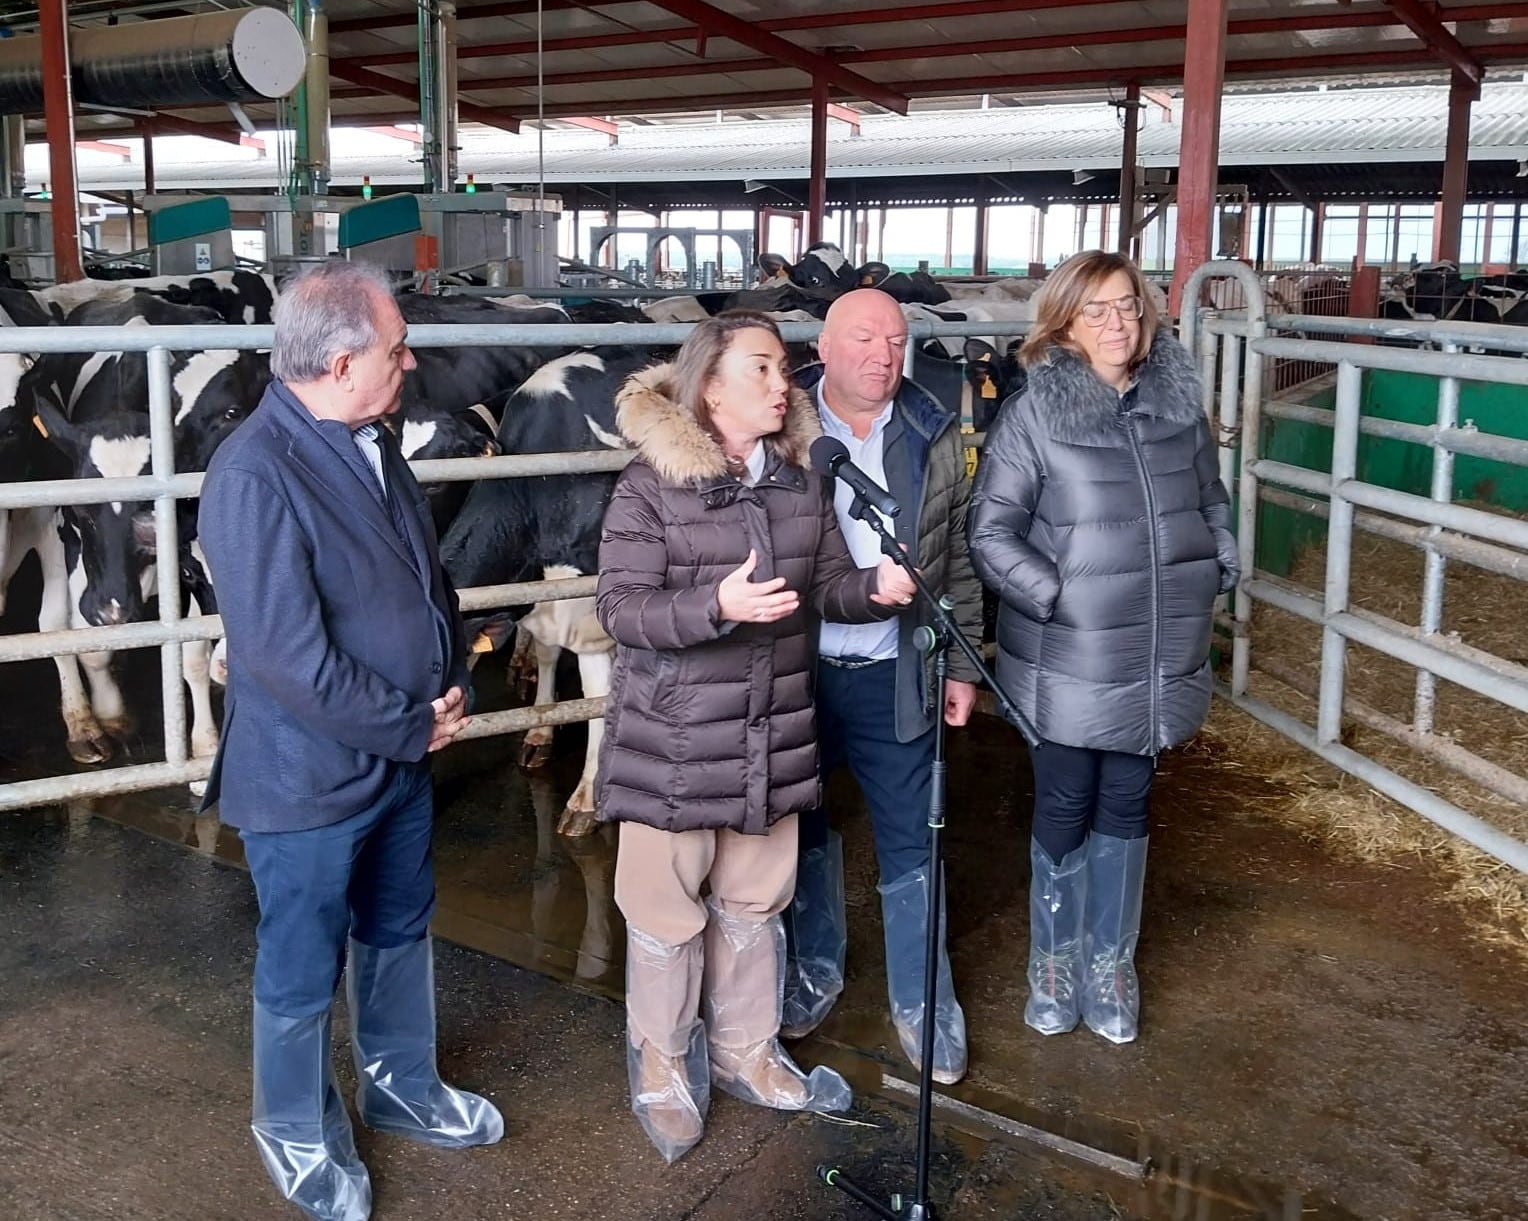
(164, 487)
(1441, 529)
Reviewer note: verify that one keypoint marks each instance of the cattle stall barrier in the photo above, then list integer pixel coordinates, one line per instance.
(1236, 346)
(164, 487)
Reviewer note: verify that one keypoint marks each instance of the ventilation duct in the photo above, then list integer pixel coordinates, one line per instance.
(241, 55)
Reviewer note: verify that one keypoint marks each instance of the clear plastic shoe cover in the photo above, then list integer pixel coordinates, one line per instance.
(665, 1042)
(392, 1014)
(1057, 897)
(670, 1095)
(904, 912)
(1111, 990)
(816, 939)
(301, 1128)
(744, 973)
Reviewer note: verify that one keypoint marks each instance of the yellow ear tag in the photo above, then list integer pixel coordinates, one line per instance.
(989, 389)
(483, 644)
(39, 425)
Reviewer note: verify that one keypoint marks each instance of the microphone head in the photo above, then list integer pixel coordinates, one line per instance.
(826, 453)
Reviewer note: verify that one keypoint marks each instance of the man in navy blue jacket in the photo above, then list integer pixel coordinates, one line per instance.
(346, 668)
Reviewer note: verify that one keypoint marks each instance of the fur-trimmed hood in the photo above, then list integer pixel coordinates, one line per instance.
(1077, 407)
(674, 444)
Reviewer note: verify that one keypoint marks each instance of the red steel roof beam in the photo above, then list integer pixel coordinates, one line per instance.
(1426, 26)
(845, 114)
(171, 124)
(464, 12)
(101, 146)
(393, 87)
(820, 67)
(398, 133)
(1204, 73)
(58, 114)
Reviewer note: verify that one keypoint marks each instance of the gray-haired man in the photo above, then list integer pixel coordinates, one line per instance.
(346, 668)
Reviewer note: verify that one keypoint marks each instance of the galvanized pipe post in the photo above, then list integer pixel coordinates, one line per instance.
(58, 111)
(1435, 565)
(445, 86)
(166, 553)
(312, 157)
(1339, 554)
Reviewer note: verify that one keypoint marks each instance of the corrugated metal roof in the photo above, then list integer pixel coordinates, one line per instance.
(1315, 127)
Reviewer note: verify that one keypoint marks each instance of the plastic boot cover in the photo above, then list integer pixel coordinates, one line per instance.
(299, 1120)
(670, 1095)
(392, 1014)
(816, 938)
(744, 973)
(665, 1042)
(1057, 898)
(1111, 992)
(904, 911)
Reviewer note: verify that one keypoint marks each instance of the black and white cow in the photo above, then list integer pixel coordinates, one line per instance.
(93, 409)
(235, 296)
(547, 528)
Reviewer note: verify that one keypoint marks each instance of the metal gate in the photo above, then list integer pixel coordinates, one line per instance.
(1232, 350)
(164, 487)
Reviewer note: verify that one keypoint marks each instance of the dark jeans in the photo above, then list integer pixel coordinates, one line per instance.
(369, 877)
(1079, 790)
(856, 724)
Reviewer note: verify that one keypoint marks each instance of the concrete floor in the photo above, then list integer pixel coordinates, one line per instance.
(1321, 1039)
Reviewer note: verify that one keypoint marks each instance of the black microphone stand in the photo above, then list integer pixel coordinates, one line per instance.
(937, 639)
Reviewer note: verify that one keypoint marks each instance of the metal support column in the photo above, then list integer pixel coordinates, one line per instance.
(147, 129)
(58, 112)
(1263, 225)
(817, 191)
(979, 250)
(1204, 70)
(1456, 168)
(437, 92)
(1130, 112)
(312, 99)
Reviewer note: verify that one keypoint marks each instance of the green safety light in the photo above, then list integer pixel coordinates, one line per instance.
(44, 193)
(365, 186)
(471, 187)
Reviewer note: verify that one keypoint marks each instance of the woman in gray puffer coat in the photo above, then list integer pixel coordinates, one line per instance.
(1099, 520)
(717, 543)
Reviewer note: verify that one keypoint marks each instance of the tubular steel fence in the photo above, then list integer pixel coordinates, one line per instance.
(164, 487)
(1238, 347)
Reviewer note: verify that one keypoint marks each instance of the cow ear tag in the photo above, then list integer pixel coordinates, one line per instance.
(39, 425)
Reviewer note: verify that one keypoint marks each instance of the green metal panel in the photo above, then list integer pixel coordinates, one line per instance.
(390, 216)
(1413, 399)
(190, 219)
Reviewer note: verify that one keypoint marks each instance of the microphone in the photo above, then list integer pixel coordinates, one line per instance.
(830, 457)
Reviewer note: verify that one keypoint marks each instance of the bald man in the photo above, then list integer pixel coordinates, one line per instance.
(875, 691)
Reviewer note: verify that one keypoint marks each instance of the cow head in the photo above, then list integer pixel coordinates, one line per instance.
(824, 271)
(104, 543)
(214, 392)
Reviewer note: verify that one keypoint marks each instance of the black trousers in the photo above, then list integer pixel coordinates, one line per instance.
(1079, 790)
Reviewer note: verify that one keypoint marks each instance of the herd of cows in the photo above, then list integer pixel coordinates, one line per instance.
(86, 416)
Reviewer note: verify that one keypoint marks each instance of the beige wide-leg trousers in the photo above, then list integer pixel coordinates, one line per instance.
(659, 878)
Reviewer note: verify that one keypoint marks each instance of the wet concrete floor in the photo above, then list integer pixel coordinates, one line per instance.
(1321, 1039)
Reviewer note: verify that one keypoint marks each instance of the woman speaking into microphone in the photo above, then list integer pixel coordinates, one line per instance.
(717, 543)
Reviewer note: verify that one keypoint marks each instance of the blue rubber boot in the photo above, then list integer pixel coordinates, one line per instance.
(392, 1013)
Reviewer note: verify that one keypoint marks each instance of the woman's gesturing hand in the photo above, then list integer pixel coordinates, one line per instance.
(744, 601)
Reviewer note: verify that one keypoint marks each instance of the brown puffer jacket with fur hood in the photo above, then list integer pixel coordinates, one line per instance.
(710, 723)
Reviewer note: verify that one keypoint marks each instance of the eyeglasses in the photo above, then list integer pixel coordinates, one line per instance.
(1096, 313)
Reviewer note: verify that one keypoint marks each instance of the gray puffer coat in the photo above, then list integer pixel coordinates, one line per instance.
(1101, 523)
(709, 723)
